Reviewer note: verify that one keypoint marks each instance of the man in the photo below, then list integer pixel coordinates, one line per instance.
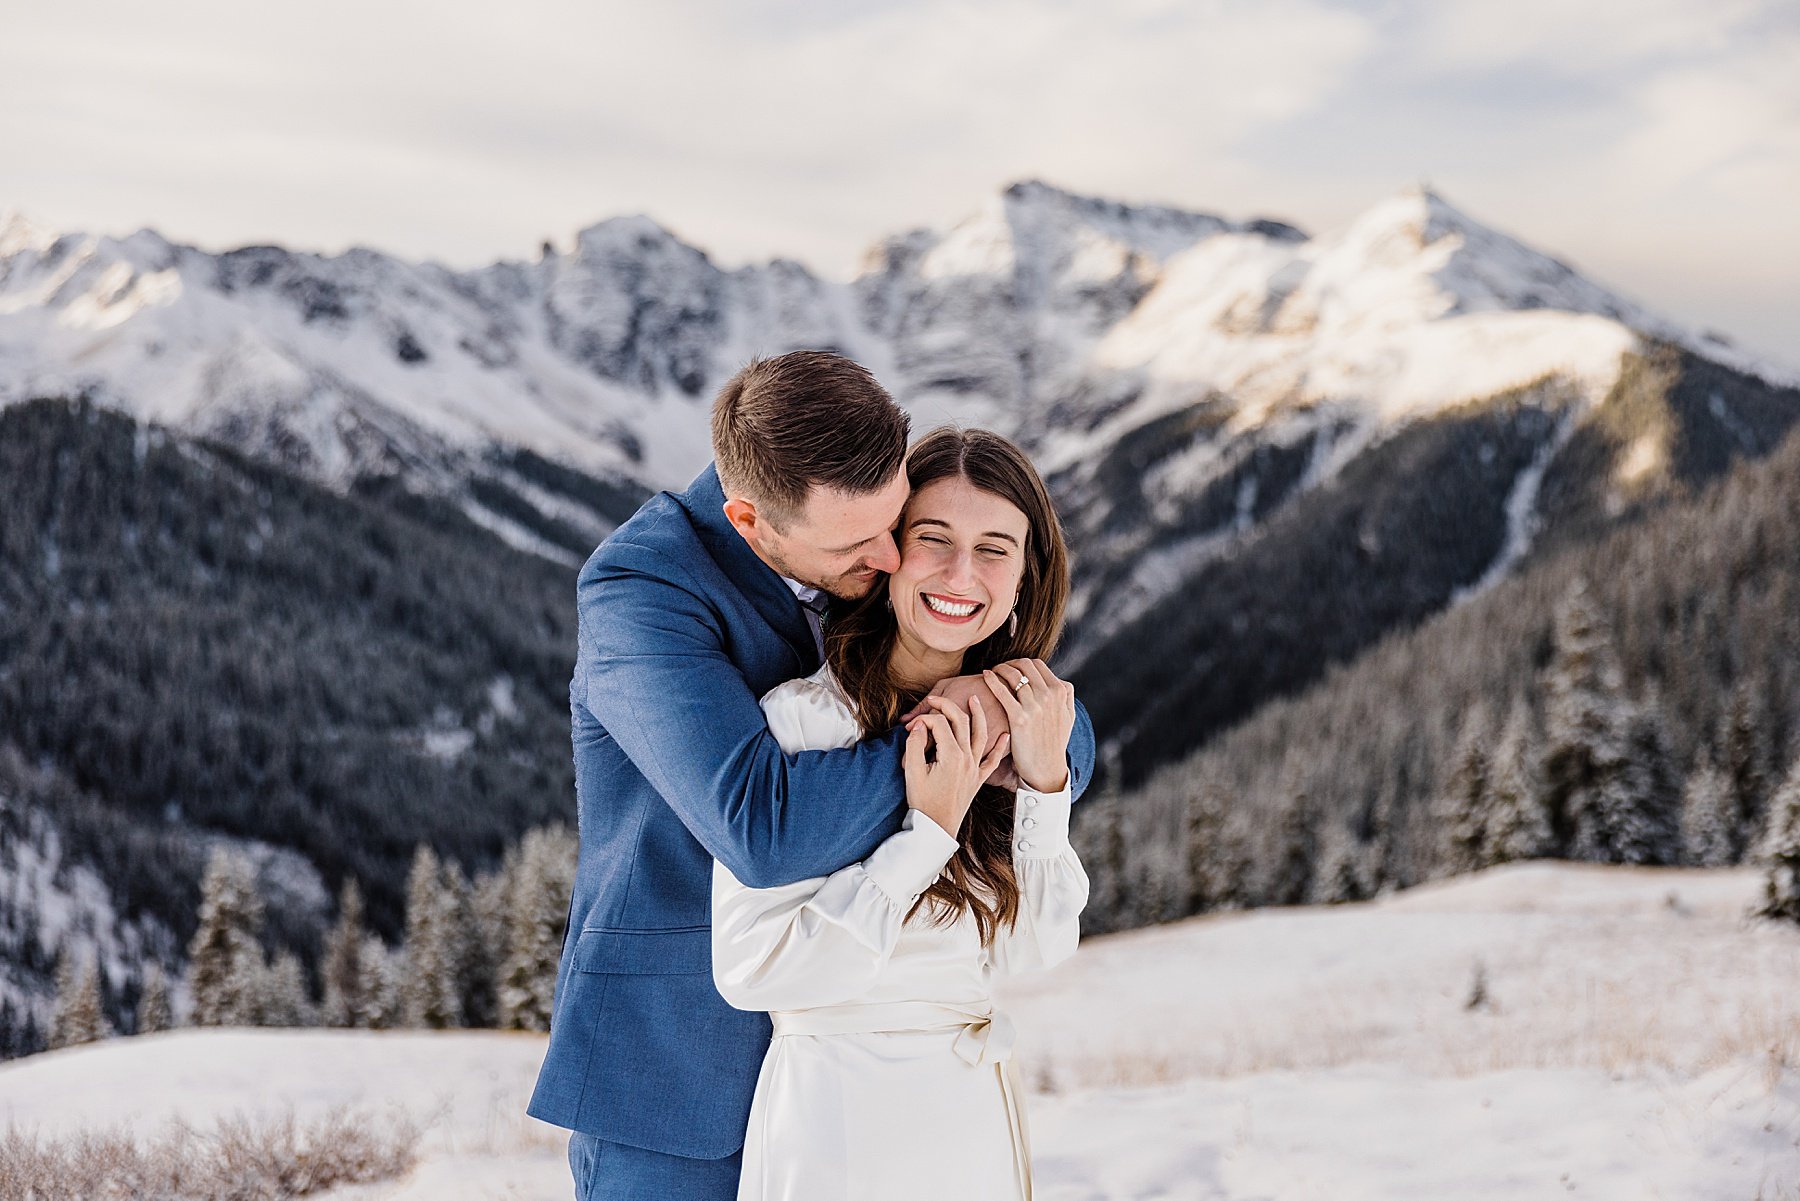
(693, 609)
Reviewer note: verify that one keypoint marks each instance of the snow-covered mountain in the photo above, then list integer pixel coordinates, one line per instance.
(1063, 320)
(603, 356)
(1305, 354)
(1181, 376)
(1000, 315)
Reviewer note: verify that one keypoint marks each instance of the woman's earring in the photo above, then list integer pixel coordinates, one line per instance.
(1012, 624)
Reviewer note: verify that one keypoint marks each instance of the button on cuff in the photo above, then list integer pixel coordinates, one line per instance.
(1041, 823)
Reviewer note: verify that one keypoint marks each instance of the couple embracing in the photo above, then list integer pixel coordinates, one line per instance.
(824, 779)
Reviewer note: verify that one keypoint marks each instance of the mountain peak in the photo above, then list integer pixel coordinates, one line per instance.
(1032, 227)
(631, 230)
(1039, 192)
(19, 232)
(1415, 256)
(1161, 222)
(1417, 214)
(1033, 202)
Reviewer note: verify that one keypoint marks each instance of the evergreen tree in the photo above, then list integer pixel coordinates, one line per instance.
(1211, 871)
(537, 922)
(1341, 874)
(1296, 849)
(380, 985)
(225, 960)
(1166, 888)
(66, 1000)
(12, 1031)
(281, 998)
(1587, 731)
(1115, 862)
(78, 1016)
(1463, 812)
(1745, 741)
(1230, 868)
(481, 925)
(347, 1002)
(1641, 806)
(1780, 850)
(1518, 820)
(9, 1028)
(1708, 816)
(429, 994)
(153, 1003)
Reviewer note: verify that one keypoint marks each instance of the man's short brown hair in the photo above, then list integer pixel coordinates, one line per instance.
(784, 425)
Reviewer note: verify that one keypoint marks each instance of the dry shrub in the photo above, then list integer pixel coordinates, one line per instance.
(243, 1159)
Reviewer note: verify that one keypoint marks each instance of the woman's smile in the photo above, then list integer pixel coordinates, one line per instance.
(950, 609)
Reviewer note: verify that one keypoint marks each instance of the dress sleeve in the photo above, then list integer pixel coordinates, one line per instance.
(822, 940)
(1053, 886)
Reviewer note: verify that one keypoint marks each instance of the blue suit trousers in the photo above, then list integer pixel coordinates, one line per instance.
(607, 1171)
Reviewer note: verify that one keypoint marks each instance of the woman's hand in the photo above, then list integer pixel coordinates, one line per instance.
(1041, 715)
(944, 788)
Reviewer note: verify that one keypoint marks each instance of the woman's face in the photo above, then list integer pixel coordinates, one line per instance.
(962, 554)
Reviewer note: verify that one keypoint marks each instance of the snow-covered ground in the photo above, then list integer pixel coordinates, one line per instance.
(1635, 1037)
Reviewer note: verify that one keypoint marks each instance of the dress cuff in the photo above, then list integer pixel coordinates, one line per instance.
(906, 864)
(1041, 823)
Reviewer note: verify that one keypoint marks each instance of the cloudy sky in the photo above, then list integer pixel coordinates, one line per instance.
(1653, 143)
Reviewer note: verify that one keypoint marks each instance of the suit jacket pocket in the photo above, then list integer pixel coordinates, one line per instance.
(681, 952)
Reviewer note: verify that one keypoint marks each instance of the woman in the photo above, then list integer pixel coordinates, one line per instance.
(889, 1074)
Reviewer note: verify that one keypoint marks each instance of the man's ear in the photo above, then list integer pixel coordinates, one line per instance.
(742, 515)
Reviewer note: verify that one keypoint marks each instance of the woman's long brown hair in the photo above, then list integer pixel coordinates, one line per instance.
(859, 643)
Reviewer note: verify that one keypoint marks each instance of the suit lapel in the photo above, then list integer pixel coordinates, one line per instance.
(761, 585)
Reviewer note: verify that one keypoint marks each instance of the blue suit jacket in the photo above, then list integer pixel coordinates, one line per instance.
(681, 629)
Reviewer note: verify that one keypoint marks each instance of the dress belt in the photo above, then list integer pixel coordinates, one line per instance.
(987, 1038)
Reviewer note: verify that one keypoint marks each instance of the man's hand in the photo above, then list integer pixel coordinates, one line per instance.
(959, 690)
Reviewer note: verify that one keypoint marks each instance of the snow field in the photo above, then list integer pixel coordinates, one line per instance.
(1638, 1039)
(1583, 966)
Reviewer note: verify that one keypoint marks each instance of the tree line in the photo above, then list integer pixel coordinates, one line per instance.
(194, 644)
(1632, 701)
(477, 952)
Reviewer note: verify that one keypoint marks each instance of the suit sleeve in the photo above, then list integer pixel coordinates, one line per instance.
(1081, 752)
(653, 669)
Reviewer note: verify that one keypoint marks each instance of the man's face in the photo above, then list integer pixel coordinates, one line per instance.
(837, 542)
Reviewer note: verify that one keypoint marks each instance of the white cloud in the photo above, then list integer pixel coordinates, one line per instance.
(753, 140)
(1578, 35)
(1729, 129)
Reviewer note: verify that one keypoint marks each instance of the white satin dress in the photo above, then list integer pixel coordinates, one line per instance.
(890, 1074)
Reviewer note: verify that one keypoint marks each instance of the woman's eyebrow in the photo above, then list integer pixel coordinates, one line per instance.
(946, 525)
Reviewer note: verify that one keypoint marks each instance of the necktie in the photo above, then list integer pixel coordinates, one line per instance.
(815, 617)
